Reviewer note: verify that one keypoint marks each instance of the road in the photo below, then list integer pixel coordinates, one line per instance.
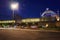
(10, 34)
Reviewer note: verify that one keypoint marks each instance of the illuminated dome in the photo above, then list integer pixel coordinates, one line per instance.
(48, 13)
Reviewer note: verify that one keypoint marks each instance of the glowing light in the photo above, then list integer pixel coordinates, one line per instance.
(31, 20)
(46, 25)
(8, 21)
(14, 6)
(58, 19)
(47, 8)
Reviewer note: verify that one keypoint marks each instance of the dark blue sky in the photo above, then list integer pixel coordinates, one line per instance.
(28, 8)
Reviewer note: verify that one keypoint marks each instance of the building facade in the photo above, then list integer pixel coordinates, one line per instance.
(48, 18)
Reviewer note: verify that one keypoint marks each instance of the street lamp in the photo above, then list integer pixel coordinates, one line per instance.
(14, 6)
(58, 19)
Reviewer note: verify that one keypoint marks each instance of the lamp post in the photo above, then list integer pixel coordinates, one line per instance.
(14, 6)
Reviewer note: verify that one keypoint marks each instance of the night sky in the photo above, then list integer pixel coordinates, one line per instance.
(27, 8)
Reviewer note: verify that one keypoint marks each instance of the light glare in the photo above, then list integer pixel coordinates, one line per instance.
(58, 19)
(14, 6)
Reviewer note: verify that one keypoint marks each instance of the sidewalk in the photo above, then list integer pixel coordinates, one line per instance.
(41, 30)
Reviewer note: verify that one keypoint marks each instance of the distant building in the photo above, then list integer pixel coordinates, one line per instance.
(49, 13)
(48, 18)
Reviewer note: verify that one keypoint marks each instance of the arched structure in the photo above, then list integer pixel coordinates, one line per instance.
(48, 13)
